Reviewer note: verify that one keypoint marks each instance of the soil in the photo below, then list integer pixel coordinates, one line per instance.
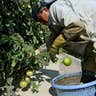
(51, 71)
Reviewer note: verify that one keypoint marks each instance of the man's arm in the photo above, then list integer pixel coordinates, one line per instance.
(52, 46)
(53, 50)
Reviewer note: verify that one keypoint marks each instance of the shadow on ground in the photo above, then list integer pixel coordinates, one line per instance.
(44, 73)
(50, 73)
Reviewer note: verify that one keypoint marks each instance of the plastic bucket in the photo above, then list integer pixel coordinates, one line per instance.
(72, 89)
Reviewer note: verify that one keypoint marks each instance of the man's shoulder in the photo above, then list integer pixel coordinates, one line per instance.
(57, 5)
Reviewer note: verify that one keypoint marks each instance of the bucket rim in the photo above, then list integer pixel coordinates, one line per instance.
(70, 87)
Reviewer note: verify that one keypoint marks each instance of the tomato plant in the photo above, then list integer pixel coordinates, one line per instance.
(20, 35)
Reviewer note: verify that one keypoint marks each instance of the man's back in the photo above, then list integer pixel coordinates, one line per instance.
(65, 12)
(86, 11)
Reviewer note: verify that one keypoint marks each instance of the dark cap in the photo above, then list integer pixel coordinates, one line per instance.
(37, 6)
(35, 9)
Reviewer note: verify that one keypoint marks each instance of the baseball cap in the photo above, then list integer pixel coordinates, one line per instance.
(37, 6)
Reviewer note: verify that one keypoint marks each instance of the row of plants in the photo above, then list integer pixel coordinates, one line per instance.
(20, 35)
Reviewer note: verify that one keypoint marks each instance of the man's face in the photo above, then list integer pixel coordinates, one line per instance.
(42, 16)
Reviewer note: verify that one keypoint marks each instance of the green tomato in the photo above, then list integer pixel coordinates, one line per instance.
(81, 83)
(27, 79)
(23, 84)
(29, 73)
(13, 63)
(67, 61)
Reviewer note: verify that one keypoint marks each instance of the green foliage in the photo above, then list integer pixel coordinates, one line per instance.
(15, 53)
(20, 35)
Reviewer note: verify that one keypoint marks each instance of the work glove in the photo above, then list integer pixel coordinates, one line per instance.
(52, 52)
(54, 49)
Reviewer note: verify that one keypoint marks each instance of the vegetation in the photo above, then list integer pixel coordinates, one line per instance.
(20, 35)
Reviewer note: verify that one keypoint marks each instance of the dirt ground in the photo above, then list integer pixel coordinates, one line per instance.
(51, 71)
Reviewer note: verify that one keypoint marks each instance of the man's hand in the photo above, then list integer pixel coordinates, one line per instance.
(37, 51)
(42, 48)
(52, 53)
(54, 49)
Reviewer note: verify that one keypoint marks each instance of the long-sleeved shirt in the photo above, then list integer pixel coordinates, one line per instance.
(65, 12)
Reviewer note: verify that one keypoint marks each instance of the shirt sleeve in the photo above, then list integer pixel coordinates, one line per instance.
(54, 21)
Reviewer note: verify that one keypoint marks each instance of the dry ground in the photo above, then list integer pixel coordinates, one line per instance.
(52, 70)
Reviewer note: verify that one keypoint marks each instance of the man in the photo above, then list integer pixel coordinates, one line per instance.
(70, 21)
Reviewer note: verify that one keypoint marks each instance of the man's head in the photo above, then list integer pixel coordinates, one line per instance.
(40, 10)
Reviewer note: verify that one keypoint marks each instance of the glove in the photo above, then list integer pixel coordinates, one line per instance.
(54, 49)
(52, 52)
